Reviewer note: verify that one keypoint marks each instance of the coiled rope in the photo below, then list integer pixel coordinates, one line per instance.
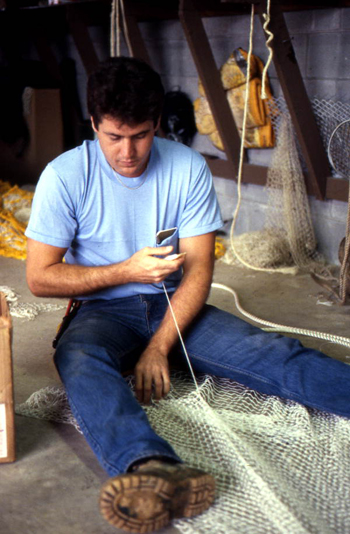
(276, 327)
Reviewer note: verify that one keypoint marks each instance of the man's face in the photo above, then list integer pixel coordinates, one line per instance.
(126, 148)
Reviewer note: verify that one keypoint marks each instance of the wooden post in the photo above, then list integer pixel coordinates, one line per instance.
(7, 420)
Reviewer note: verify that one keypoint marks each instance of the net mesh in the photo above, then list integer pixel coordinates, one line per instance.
(279, 466)
(49, 403)
(26, 310)
(287, 238)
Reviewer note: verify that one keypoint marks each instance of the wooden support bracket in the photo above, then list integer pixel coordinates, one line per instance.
(134, 36)
(210, 78)
(298, 102)
(81, 36)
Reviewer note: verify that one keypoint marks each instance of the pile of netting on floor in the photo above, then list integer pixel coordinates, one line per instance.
(26, 310)
(15, 206)
(279, 467)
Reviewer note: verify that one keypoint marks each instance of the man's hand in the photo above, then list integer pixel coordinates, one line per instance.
(152, 375)
(146, 267)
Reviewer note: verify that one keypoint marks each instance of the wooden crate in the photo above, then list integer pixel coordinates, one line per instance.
(7, 422)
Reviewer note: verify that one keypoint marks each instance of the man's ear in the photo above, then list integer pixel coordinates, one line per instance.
(93, 125)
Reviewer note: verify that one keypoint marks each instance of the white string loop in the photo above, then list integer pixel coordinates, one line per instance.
(266, 17)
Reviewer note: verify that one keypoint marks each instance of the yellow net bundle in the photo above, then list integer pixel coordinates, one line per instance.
(259, 130)
(15, 205)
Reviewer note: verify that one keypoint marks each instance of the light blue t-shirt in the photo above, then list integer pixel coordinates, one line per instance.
(80, 204)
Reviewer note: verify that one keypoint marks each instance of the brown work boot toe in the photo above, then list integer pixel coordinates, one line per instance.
(147, 499)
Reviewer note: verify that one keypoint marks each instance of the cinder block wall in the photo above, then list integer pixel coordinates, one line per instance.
(321, 40)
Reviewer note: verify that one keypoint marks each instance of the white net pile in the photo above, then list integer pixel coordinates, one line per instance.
(50, 404)
(26, 310)
(279, 467)
(287, 238)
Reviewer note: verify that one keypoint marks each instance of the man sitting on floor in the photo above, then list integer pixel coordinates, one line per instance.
(103, 207)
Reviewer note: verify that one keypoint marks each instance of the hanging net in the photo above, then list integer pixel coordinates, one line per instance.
(280, 468)
(287, 241)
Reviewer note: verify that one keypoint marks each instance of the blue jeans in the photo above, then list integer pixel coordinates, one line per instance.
(106, 338)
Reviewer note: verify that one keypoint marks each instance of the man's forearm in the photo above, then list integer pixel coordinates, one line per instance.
(48, 276)
(186, 302)
(63, 280)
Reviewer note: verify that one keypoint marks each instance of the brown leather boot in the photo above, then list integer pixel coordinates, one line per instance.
(148, 498)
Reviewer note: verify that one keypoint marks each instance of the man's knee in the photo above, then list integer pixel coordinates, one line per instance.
(74, 359)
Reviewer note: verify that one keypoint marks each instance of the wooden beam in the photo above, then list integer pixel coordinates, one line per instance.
(293, 5)
(133, 35)
(298, 102)
(337, 189)
(81, 37)
(210, 78)
(222, 168)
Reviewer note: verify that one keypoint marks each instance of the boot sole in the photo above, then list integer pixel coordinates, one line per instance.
(159, 500)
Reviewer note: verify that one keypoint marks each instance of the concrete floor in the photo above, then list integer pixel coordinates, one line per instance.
(53, 486)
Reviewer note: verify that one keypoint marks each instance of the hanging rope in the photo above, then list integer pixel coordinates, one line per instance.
(115, 29)
(240, 167)
(118, 14)
(236, 254)
(112, 35)
(266, 17)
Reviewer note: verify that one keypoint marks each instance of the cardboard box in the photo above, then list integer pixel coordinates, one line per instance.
(7, 419)
(43, 114)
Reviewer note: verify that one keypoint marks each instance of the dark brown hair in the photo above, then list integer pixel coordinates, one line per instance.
(126, 89)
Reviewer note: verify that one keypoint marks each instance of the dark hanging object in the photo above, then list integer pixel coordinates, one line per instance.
(177, 121)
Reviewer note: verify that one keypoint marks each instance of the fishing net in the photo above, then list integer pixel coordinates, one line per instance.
(15, 205)
(50, 404)
(26, 310)
(287, 241)
(279, 467)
